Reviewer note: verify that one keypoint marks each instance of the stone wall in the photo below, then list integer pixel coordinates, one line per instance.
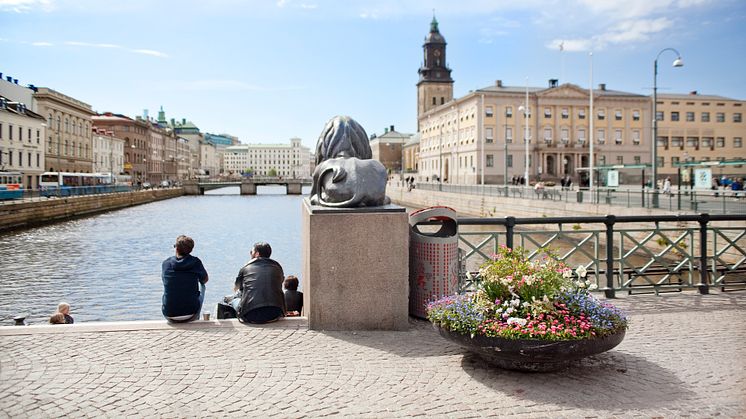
(32, 213)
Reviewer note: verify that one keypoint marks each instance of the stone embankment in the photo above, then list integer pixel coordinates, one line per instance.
(46, 210)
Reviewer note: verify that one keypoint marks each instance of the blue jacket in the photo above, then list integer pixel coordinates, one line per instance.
(181, 278)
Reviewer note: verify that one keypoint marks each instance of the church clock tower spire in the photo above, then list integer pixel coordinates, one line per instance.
(435, 86)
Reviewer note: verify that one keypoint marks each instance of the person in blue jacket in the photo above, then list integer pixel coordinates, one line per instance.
(184, 279)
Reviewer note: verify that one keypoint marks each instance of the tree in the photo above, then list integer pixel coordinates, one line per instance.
(272, 172)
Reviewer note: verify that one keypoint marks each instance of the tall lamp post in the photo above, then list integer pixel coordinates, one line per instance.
(676, 63)
(526, 114)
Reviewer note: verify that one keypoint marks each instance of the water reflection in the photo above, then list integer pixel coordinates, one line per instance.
(108, 266)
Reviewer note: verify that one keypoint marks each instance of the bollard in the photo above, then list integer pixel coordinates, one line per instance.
(20, 320)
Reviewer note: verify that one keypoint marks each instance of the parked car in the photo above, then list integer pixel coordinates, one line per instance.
(146, 185)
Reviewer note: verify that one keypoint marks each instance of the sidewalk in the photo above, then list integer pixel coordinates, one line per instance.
(684, 355)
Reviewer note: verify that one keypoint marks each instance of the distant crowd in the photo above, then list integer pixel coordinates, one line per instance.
(261, 292)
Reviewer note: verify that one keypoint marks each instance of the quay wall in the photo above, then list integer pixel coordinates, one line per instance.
(31, 213)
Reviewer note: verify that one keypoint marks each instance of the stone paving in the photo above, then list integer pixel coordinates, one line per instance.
(684, 356)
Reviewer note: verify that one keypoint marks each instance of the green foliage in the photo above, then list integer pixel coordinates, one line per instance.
(272, 172)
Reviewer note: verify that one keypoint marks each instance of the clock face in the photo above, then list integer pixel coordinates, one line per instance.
(437, 53)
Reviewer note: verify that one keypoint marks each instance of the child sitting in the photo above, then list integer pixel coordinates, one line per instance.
(57, 318)
(293, 297)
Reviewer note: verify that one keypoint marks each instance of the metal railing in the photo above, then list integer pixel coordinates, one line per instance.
(712, 202)
(630, 253)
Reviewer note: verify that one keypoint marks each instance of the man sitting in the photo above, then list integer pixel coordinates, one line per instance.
(259, 284)
(184, 278)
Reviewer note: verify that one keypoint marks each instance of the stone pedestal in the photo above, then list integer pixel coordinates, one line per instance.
(355, 267)
(248, 187)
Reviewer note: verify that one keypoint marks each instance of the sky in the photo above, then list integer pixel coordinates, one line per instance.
(267, 71)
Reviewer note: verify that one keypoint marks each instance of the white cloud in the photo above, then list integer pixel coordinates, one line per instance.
(282, 3)
(92, 45)
(42, 44)
(571, 45)
(623, 33)
(309, 6)
(25, 6)
(365, 14)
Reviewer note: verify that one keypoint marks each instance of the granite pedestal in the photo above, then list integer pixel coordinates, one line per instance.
(355, 267)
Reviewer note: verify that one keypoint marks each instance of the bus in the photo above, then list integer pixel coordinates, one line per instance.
(11, 185)
(68, 183)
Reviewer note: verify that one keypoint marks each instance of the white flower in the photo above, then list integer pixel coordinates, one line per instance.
(509, 311)
(567, 273)
(545, 299)
(515, 303)
(580, 284)
(593, 287)
(517, 320)
(581, 271)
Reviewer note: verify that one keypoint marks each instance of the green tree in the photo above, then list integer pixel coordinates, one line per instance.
(272, 172)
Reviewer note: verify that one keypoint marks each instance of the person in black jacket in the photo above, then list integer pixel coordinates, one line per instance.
(184, 278)
(259, 284)
(293, 297)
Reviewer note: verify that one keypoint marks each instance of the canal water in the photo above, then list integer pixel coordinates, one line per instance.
(108, 266)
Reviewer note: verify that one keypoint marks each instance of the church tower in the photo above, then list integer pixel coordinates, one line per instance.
(435, 86)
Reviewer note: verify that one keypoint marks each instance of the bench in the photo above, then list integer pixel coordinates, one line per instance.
(724, 271)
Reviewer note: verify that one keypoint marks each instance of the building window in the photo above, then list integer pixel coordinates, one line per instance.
(581, 114)
(489, 136)
(1, 131)
(442, 100)
(674, 161)
(635, 115)
(618, 136)
(547, 113)
(619, 160)
(38, 160)
(707, 142)
(508, 134)
(435, 100)
(601, 160)
(10, 132)
(488, 112)
(691, 141)
(490, 160)
(674, 116)
(509, 112)
(737, 117)
(690, 117)
(581, 136)
(677, 141)
(601, 115)
(720, 117)
(565, 113)
(510, 160)
(20, 158)
(660, 162)
(565, 135)
(659, 116)
(618, 115)
(600, 136)
(547, 135)
(637, 159)
(636, 136)
(705, 117)
(720, 142)
(737, 142)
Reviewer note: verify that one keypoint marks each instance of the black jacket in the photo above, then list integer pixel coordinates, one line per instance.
(260, 282)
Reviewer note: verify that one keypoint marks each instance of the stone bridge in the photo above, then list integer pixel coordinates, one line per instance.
(248, 185)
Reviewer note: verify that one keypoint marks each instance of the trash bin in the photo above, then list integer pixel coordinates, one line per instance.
(580, 196)
(433, 258)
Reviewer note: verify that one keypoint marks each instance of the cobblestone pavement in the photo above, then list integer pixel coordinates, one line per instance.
(683, 356)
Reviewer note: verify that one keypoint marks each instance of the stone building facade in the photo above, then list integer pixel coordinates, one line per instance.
(287, 160)
(22, 134)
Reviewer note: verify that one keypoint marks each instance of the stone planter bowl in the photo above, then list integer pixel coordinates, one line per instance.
(532, 354)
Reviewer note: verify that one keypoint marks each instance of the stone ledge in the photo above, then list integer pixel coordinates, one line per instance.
(128, 326)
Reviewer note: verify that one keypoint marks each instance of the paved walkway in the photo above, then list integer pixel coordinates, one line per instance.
(684, 355)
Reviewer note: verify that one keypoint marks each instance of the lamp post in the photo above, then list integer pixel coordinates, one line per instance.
(591, 117)
(676, 63)
(526, 114)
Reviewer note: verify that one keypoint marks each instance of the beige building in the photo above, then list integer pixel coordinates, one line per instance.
(387, 148)
(108, 152)
(135, 133)
(22, 133)
(287, 160)
(411, 154)
(695, 127)
(69, 145)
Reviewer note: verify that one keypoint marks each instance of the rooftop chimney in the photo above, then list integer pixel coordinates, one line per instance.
(10, 79)
(183, 121)
(693, 93)
(15, 81)
(499, 83)
(391, 128)
(602, 86)
(385, 130)
(553, 83)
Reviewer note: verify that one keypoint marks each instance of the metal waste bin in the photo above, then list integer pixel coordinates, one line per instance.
(433, 258)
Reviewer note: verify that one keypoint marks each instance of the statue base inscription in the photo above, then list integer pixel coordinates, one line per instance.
(355, 267)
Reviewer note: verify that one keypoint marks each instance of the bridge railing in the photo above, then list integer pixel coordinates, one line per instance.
(632, 253)
(713, 202)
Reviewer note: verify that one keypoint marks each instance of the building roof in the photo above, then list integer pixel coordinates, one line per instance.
(693, 96)
(18, 108)
(499, 88)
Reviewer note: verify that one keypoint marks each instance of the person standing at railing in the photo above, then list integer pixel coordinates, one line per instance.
(667, 186)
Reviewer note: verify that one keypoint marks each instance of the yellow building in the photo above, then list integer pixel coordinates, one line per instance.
(694, 127)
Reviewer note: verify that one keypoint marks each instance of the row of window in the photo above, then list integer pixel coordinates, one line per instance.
(74, 127)
(16, 158)
(19, 130)
(704, 116)
(675, 160)
(565, 113)
(696, 142)
(68, 148)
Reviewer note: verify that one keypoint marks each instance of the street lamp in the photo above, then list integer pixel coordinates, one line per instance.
(526, 114)
(676, 63)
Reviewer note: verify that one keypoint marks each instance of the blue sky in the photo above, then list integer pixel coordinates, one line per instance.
(267, 71)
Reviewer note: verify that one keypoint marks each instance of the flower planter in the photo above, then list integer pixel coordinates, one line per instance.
(532, 354)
